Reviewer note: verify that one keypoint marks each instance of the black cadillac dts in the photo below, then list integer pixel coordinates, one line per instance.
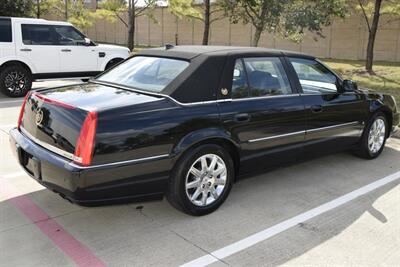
(185, 121)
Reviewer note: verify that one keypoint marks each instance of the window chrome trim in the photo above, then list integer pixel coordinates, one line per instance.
(305, 132)
(111, 164)
(192, 103)
(276, 136)
(49, 147)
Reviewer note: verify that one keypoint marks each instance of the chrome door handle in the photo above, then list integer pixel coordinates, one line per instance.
(25, 50)
(65, 50)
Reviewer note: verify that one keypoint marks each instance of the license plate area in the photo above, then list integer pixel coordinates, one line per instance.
(30, 163)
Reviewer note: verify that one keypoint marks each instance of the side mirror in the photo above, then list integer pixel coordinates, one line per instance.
(87, 41)
(349, 86)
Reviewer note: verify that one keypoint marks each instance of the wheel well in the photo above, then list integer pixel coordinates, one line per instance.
(15, 62)
(226, 144)
(389, 116)
(113, 61)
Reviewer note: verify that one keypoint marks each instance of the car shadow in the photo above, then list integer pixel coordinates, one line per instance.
(255, 203)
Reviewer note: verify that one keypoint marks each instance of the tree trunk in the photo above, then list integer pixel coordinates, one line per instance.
(206, 32)
(38, 9)
(66, 10)
(131, 25)
(372, 36)
(256, 37)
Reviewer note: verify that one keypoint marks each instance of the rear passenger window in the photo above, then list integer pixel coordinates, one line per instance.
(35, 34)
(259, 76)
(5, 30)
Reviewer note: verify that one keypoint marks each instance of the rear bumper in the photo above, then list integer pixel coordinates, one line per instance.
(107, 184)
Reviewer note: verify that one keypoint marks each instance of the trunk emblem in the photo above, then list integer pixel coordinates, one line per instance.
(39, 117)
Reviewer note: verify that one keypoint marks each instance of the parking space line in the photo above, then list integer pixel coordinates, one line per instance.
(285, 225)
(75, 250)
(11, 101)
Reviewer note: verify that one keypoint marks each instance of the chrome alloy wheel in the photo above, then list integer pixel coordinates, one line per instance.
(376, 136)
(15, 81)
(206, 180)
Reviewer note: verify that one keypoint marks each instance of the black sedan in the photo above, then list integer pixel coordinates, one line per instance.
(186, 121)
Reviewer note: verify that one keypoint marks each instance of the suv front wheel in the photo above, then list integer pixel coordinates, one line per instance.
(15, 81)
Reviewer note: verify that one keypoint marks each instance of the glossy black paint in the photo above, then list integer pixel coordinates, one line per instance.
(141, 136)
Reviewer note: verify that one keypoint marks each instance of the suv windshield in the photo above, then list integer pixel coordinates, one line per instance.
(145, 73)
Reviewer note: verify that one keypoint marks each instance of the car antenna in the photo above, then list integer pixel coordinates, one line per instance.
(169, 46)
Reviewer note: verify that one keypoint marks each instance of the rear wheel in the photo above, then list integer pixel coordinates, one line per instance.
(112, 63)
(374, 137)
(15, 81)
(201, 180)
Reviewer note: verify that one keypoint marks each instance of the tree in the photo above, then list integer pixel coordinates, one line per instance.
(206, 11)
(287, 18)
(15, 8)
(112, 9)
(371, 11)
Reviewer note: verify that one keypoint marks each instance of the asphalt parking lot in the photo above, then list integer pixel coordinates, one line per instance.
(333, 210)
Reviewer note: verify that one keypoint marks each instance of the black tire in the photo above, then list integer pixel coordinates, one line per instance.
(177, 194)
(364, 150)
(15, 80)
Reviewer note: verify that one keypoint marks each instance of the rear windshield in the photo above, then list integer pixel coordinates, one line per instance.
(145, 73)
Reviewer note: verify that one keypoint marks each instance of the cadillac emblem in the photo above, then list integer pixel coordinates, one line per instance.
(39, 117)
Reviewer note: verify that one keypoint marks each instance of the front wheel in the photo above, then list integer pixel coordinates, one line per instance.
(374, 137)
(201, 180)
(15, 81)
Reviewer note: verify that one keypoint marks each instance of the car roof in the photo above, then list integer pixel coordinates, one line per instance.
(192, 51)
(37, 21)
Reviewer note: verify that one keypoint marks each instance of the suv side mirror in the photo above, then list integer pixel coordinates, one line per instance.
(349, 86)
(87, 41)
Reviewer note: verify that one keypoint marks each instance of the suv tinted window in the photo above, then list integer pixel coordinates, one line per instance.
(314, 77)
(5, 30)
(35, 34)
(67, 35)
(259, 76)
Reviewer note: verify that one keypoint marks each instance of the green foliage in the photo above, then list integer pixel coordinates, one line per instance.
(185, 8)
(288, 18)
(16, 8)
(390, 8)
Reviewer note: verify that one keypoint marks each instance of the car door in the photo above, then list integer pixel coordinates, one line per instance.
(75, 54)
(35, 43)
(334, 117)
(261, 111)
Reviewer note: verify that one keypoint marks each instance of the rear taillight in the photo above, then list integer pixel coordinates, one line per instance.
(22, 111)
(85, 145)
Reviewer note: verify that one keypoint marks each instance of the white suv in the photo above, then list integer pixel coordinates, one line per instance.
(36, 49)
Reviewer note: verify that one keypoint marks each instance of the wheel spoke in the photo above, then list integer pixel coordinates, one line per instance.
(194, 184)
(213, 163)
(219, 171)
(195, 172)
(196, 194)
(203, 164)
(204, 198)
(214, 193)
(219, 181)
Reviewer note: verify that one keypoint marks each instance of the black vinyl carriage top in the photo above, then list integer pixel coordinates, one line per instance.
(206, 72)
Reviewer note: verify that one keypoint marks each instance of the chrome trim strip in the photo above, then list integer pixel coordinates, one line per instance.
(189, 104)
(333, 126)
(276, 136)
(304, 132)
(53, 149)
(163, 156)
